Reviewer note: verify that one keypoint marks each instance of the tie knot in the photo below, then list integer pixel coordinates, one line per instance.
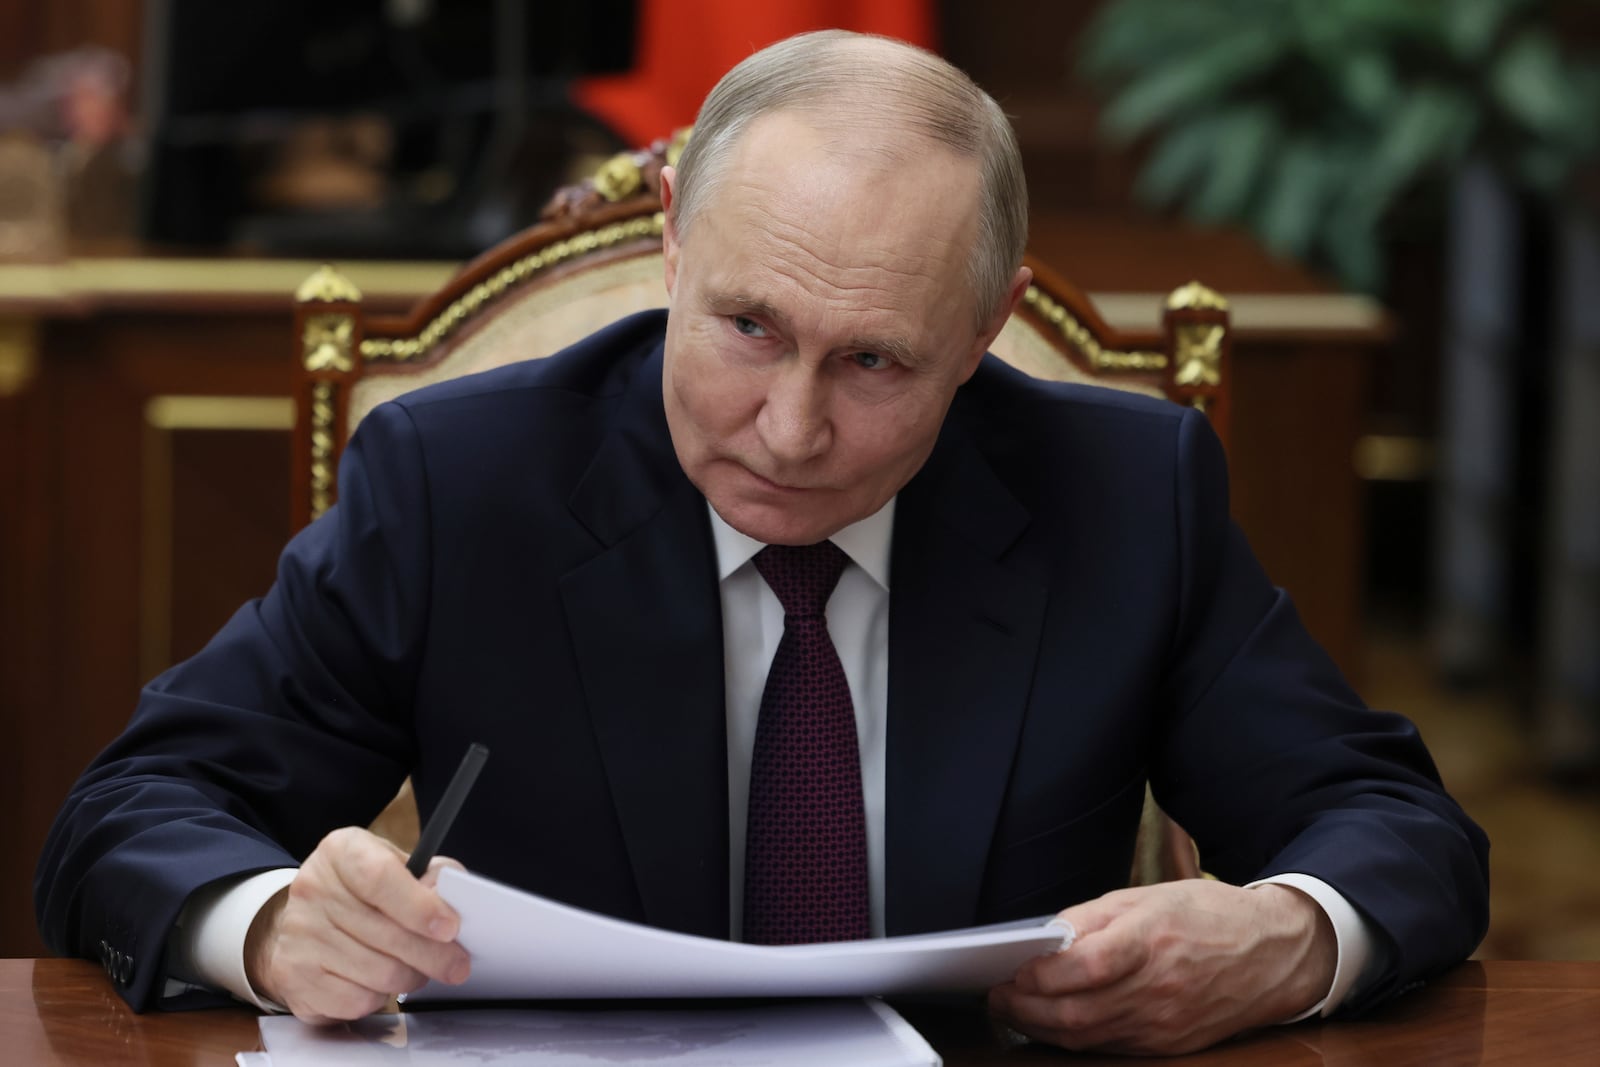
(802, 576)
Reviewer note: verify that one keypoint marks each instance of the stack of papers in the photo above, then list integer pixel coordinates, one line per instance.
(525, 947)
(860, 1033)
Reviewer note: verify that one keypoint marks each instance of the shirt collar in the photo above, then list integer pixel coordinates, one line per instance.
(865, 541)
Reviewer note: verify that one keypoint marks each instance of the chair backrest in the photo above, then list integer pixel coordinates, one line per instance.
(596, 258)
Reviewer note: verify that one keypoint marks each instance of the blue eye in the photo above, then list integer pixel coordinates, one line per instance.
(870, 360)
(748, 326)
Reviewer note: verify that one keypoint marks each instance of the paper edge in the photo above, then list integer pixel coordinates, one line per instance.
(908, 1037)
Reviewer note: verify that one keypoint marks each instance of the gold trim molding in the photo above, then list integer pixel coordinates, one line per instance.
(326, 343)
(220, 412)
(618, 177)
(327, 286)
(323, 415)
(19, 354)
(1078, 335)
(1198, 346)
(405, 349)
(1198, 297)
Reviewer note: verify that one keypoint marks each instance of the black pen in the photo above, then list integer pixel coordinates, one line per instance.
(444, 815)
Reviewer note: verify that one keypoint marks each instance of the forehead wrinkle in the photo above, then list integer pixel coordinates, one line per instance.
(798, 260)
(894, 257)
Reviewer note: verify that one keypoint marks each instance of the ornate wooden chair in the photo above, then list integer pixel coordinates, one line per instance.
(597, 257)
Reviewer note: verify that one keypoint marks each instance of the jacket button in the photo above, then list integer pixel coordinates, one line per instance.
(125, 972)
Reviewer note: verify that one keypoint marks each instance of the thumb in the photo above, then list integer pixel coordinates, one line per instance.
(430, 877)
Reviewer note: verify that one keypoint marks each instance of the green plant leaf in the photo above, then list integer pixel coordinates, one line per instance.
(1177, 159)
(1473, 25)
(1532, 84)
(1190, 82)
(1245, 136)
(1431, 130)
(1301, 180)
(1132, 35)
(1367, 82)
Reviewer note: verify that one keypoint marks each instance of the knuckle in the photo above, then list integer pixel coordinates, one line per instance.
(354, 1003)
(1095, 968)
(1167, 992)
(1068, 1016)
(365, 871)
(397, 977)
(339, 840)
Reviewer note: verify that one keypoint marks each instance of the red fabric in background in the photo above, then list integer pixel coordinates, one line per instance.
(684, 46)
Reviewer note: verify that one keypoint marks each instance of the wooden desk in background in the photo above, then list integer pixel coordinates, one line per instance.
(63, 1012)
(145, 416)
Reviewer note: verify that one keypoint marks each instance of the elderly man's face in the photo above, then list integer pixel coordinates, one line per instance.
(820, 324)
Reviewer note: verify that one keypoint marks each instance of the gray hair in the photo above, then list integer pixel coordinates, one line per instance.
(811, 71)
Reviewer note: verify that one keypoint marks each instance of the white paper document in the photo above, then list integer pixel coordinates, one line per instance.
(527, 947)
(858, 1033)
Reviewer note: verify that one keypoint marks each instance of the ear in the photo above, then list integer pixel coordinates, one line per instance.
(669, 230)
(997, 322)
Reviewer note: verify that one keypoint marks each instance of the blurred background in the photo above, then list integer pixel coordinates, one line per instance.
(1400, 199)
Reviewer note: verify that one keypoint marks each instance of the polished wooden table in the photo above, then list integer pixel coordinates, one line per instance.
(65, 1012)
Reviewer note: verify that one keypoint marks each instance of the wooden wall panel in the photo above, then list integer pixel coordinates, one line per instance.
(25, 639)
(75, 563)
(228, 522)
(1296, 493)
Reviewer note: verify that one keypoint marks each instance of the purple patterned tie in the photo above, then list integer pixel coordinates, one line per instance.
(805, 864)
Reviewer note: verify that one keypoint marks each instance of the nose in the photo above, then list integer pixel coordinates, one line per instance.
(795, 423)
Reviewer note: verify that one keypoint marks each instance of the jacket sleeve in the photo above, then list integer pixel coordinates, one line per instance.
(1274, 765)
(293, 720)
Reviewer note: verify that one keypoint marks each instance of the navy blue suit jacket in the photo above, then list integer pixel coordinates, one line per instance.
(516, 558)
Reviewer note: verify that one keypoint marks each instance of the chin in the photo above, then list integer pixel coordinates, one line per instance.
(773, 526)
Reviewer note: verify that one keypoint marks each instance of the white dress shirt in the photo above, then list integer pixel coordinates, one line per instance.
(208, 944)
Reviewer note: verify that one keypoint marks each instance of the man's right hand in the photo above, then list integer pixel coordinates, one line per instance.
(352, 930)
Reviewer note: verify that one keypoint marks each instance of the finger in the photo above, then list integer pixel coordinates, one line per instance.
(445, 961)
(1102, 911)
(1096, 960)
(327, 975)
(1098, 1019)
(332, 998)
(369, 968)
(430, 877)
(374, 872)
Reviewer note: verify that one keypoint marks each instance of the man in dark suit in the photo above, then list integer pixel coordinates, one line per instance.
(1042, 603)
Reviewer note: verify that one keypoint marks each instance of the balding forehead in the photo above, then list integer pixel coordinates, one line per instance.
(851, 130)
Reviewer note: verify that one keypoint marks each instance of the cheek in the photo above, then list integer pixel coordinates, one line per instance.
(717, 398)
(889, 436)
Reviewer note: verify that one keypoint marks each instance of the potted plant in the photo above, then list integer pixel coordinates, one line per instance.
(1307, 121)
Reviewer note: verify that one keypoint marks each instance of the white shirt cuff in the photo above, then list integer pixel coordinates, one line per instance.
(207, 944)
(1357, 948)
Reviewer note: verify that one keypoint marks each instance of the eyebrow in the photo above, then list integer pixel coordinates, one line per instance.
(898, 348)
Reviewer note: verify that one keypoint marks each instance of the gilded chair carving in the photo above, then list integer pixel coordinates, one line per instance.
(596, 257)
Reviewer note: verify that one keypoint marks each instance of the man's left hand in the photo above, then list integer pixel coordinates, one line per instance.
(1175, 967)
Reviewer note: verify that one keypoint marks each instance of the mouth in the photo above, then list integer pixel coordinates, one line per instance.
(775, 487)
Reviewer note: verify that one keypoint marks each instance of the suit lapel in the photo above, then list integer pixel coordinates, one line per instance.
(646, 627)
(964, 627)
